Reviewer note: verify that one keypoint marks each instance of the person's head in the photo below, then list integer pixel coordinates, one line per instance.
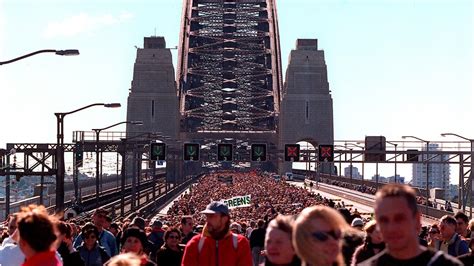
(139, 223)
(278, 246)
(65, 231)
(99, 218)
(398, 218)
(260, 223)
(125, 259)
(90, 235)
(357, 223)
(37, 230)
(134, 240)
(172, 237)
(433, 232)
(157, 225)
(317, 235)
(108, 221)
(236, 228)
(114, 228)
(373, 233)
(447, 227)
(217, 219)
(462, 222)
(187, 224)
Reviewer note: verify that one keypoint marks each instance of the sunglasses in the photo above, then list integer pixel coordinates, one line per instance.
(324, 236)
(173, 237)
(433, 232)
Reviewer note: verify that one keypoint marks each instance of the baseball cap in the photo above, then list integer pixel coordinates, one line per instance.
(216, 207)
(357, 222)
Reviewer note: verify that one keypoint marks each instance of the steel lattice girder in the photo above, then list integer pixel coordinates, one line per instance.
(229, 77)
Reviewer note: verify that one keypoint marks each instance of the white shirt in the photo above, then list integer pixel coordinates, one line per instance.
(11, 255)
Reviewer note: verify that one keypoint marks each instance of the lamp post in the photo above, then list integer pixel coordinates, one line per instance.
(394, 144)
(98, 175)
(58, 52)
(427, 167)
(471, 176)
(60, 151)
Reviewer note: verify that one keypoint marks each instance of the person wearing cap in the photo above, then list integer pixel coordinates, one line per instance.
(106, 238)
(90, 250)
(155, 238)
(134, 240)
(216, 245)
(357, 223)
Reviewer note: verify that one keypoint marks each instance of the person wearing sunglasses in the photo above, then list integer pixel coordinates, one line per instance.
(171, 253)
(278, 247)
(90, 250)
(433, 236)
(317, 236)
(399, 221)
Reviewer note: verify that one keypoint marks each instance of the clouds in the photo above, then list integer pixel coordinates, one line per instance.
(83, 23)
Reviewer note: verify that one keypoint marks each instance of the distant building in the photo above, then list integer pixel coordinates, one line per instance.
(438, 174)
(382, 179)
(355, 172)
(400, 179)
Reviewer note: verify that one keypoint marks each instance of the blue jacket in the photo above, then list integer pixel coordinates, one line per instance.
(106, 240)
(457, 247)
(94, 257)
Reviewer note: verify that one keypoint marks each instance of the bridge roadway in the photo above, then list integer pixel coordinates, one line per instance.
(364, 203)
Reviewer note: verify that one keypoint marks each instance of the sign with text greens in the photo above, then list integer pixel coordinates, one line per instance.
(238, 202)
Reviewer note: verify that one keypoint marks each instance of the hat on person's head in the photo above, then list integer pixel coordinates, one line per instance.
(135, 232)
(216, 207)
(101, 211)
(157, 223)
(138, 222)
(357, 222)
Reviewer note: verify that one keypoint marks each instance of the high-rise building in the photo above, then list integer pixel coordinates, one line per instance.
(355, 172)
(438, 173)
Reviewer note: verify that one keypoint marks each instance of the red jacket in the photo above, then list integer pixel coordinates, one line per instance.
(217, 253)
(45, 258)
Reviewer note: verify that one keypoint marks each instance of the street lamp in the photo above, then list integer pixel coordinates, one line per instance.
(394, 144)
(427, 167)
(58, 52)
(60, 151)
(98, 176)
(471, 176)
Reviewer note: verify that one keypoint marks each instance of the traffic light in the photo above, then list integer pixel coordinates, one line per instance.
(224, 152)
(326, 153)
(191, 152)
(158, 151)
(259, 152)
(292, 152)
(79, 154)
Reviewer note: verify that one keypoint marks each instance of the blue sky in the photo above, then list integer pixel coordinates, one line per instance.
(396, 67)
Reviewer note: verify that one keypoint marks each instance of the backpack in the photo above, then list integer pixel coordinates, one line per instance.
(234, 242)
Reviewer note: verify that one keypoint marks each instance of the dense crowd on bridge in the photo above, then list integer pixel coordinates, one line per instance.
(280, 224)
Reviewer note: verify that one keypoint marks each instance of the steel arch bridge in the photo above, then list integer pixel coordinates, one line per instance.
(229, 66)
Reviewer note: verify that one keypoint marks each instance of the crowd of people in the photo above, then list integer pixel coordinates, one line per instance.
(281, 225)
